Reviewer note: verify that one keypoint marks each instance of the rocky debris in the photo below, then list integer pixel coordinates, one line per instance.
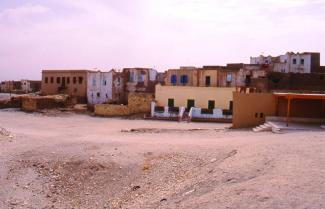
(77, 183)
(176, 177)
(5, 132)
(135, 188)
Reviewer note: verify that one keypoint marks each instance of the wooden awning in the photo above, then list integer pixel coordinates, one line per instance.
(300, 96)
(290, 96)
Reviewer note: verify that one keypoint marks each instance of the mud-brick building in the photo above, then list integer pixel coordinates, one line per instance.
(28, 86)
(70, 82)
(10, 86)
(139, 80)
(207, 76)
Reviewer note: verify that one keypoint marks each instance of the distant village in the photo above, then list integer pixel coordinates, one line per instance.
(285, 87)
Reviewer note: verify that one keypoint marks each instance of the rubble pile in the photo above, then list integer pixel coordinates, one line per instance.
(5, 132)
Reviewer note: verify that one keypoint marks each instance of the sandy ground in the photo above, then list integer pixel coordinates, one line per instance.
(79, 161)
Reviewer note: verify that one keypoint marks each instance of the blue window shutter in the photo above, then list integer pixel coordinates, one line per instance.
(140, 77)
(185, 79)
(173, 79)
(131, 76)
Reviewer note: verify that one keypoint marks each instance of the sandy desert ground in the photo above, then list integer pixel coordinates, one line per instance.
(79, 161)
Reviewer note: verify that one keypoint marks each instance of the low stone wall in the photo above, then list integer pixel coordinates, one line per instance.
(14, 102)
(111, 110)
(44, 102)
(29, 105)
(137, 103)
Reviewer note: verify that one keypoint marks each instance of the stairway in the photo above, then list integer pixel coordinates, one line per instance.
(267, 126)
(185, 117)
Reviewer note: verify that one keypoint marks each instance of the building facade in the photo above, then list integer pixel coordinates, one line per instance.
(70, 82)
(306, 62)
(261, 60)
(10, 86)
(190, 96)
(99, 87)
(29, 86)
(207, 76)
(139, 80)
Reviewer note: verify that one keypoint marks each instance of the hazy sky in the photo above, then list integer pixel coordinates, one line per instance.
(105, 34)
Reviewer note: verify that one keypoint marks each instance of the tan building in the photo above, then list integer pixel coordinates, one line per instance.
(185, 76)
(10, 86)
(207, 76)
(70, 82)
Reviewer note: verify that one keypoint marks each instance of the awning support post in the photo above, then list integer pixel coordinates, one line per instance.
(288, 110)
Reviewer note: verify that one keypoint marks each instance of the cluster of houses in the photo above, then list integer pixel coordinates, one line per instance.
(20, 87)
(189, 93)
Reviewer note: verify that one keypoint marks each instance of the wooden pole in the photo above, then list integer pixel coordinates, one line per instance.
(288, 110)
(323, 105)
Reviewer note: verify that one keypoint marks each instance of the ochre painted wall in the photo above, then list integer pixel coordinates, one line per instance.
(201, 95)
(202, 74)
(248, 106)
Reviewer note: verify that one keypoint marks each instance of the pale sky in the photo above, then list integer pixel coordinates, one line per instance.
(105, 34)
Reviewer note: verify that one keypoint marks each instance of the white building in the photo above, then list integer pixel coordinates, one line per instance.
(307, 62)
(297, 63)
(99, 87)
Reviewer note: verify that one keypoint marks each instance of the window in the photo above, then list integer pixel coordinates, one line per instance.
(98, 94)
(211, 104)
(131, 76)
(94, 80)
(104, 83)
(80, 80)
(294, 61)
(173, 79)
(58, 79)
(184, 79)
(68, 80)
(231, 105)
(46, 79)
(207, 80)
(74, 80)
(140, 78)
(106, 96)
(190, 104)
(229, 77)
(302, 61)
(170, 102)
(52, 79)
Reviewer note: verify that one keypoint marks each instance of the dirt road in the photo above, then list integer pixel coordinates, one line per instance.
(78, 161)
